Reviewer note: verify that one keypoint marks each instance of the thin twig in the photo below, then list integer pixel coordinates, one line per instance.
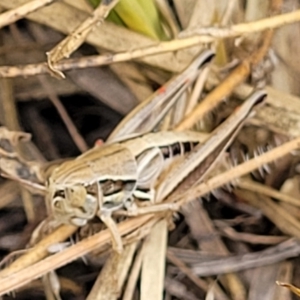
(249, 238)
(246, 28)
(287, 249)
(163, 47)
(267, 191)
(13, 278)
(134, 274)
(77, 138)
(187, 271)
(20, 12)
(72, 42)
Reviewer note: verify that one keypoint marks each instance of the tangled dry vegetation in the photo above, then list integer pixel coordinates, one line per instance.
(236, 233)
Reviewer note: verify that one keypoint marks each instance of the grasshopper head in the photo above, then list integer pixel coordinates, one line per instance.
(72, 204)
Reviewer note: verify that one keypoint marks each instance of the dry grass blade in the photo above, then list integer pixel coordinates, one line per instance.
(66, 47)
(278, 120)
(215, 245)
(134, 274)
(39, 251)
(267, 191)
(153, 267)
(113, 274)
(20, 12)
(277, 214)
(237, 76)
(285, 275)
(276, 98)
(287, 249)
(17, 275)
(216, 96)
(268, 288)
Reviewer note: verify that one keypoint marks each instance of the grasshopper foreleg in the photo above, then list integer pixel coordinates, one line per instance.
(107, 219)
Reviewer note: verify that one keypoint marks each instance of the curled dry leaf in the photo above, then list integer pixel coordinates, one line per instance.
(12, 164)
(9, 140)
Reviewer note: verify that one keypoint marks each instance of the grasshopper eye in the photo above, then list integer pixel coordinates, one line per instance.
(57, 204)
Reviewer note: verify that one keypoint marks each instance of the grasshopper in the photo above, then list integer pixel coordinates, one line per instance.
(112, 177)
(106, 179)
(124, 172)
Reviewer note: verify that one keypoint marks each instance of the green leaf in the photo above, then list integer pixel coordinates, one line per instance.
(139, 15)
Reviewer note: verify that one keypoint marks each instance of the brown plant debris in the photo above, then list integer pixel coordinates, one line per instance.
(168, 216)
